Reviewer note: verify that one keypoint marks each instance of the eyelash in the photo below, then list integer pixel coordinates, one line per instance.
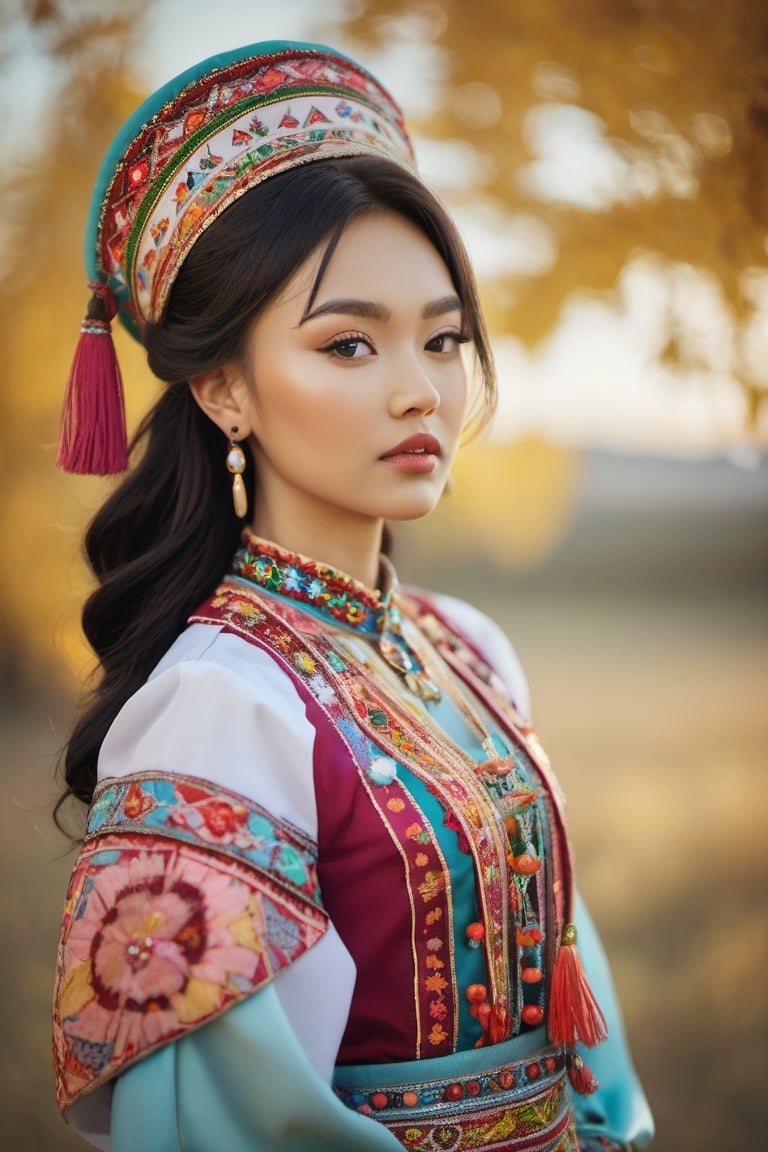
(343, 341)
(348, 338)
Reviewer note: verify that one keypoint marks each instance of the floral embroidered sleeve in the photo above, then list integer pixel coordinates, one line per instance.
(185, 900)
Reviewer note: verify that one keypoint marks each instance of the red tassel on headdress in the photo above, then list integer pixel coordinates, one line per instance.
(93, 438)
(574, 1014)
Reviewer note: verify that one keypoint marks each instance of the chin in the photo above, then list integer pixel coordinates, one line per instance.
(412, 509)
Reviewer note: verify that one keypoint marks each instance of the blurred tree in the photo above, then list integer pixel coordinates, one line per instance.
(79, 53)
(595, 128)
(670, 97)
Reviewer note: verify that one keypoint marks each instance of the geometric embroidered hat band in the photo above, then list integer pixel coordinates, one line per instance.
(208, 136)
(192, 149)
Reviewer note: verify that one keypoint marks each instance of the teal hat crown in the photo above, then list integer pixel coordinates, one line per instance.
(208, 136)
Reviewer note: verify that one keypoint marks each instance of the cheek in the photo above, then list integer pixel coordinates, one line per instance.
(303, 421)
(455, 397)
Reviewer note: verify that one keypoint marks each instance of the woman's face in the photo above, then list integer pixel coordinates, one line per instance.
(356, 405)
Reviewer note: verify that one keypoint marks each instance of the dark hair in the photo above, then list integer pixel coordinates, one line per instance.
(164, 539)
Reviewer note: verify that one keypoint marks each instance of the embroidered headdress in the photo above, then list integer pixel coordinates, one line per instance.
(185, 155)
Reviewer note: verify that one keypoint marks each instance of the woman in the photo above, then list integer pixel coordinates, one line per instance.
(325, 896)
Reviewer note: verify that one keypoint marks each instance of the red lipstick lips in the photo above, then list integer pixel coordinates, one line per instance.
(416, 455)
(420, 444)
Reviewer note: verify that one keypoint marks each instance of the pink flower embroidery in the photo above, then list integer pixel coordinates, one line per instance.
(154, 945)
(437, 1010)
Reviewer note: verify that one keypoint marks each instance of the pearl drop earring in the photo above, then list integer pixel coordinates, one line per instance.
(236, 465)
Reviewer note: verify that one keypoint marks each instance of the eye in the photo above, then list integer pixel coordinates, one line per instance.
(445, 342)
(354, 346)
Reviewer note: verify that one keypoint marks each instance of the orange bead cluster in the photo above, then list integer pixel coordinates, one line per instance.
(477, 995)
(475, 934)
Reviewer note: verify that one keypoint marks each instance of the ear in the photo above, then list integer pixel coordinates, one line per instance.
(224, 396)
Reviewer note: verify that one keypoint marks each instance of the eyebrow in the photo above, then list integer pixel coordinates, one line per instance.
(369, 310)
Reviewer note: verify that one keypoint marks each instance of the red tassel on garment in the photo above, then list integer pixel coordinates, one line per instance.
(574, 1014)
(93, 438)
(582, 1080)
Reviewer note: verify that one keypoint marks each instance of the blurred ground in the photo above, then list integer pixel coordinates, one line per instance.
(645, 639)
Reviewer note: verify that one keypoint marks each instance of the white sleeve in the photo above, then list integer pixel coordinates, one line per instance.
(220, 708)
(494, 645)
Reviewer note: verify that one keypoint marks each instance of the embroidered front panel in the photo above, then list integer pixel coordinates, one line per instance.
(184, 901)
(536, 954)
(320, 669)
(481, 679)
(403, 737)
(355, 700)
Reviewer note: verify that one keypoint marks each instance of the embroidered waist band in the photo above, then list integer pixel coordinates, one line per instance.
(506, 1096)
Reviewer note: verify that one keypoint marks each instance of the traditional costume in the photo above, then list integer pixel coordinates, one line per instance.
(325, 898)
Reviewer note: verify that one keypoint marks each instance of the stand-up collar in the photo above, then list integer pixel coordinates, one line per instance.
(317, 586)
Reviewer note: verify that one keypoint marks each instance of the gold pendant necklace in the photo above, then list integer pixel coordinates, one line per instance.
(398, 658)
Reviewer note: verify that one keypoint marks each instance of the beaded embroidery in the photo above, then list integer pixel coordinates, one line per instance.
(523, 1101)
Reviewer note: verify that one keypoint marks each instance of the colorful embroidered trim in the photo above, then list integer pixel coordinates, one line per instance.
(224, 132)
(413, 1097)
(516, 1106)
(186, 808)
(163, 932)
(495, 1129)
(339, 599)
(297, 638)
(317, 586)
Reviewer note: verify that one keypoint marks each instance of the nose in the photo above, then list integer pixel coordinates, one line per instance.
(414, 391)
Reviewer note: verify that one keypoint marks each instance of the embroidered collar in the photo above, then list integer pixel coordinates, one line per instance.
(317, 586)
